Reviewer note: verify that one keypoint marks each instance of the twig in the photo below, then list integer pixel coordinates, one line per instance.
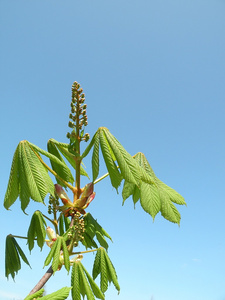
(42, 281)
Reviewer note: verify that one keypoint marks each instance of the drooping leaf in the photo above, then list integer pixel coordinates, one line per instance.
(13, 252)
(129, 169)
(114, 174)
(156, 196)
(12, 191)
(75, 282)
(83, 284)
(29, 178)
(36, 230)
(92, 230)
(150, 199)
(104, 267)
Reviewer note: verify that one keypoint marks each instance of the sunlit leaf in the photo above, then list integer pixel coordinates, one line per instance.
(13, 252)
(36, 230)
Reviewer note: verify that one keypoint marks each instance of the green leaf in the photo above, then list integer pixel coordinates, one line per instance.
(83, 284)
(58, 255)
(114, 174)
(155, 196)
(75, 281)
(12, 191)
(95, 158)
(61, 294)
(13, 252)
(65, 255)
(150, 199)
(92, 230)
(128, 167)
(28, 178)
(111, 271)
(63, 172)
(104, 267)
(36, 230)
(63, 148)
(89, 146)
(35, 295)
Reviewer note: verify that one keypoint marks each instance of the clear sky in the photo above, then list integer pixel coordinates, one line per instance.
(154, 74)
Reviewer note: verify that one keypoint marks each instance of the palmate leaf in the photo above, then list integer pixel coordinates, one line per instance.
(61, 294)
(113, 152)
(13, 252)
(83, 284)
(104, 267)
(154, 197)
(28, 179)
(94, 230)
(63, 148)
(36, 230)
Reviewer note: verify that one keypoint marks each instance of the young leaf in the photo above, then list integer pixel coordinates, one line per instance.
(104, 267)
(128, 167)
(35, 295)
(95, 158)
(13, 252)
(156, 196)
(75, 281)
(12, 191)
(36, 230)
(97, 292)
(114, 174)
(83, 284)
(28, 178)
(150, 199)
(61, 294)
(63, 172)
(111, 271)
(58, 255)
(92, 230)
(63, 148)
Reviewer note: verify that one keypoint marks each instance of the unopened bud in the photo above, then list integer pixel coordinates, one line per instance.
(71, 124)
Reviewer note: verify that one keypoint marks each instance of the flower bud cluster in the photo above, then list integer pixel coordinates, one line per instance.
(53, 204)
(79, 228)
(78, 115)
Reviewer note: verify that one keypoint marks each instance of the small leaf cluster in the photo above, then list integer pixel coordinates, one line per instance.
(104, 267)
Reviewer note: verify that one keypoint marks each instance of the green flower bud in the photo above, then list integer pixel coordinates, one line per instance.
(84, 106)
(71, 124)
(68, 135)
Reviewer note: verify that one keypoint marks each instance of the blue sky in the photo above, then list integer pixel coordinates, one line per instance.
(153, 73)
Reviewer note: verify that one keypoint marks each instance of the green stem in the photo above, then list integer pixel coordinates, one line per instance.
(54, 222)
(81, 252)
(101, 178)
(20, 237)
